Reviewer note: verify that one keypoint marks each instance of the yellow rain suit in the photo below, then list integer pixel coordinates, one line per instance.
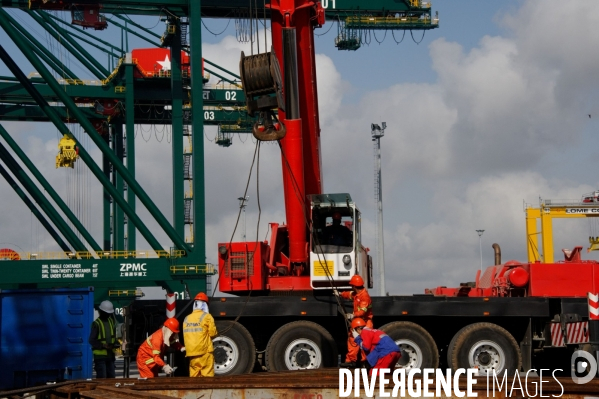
(198, 331)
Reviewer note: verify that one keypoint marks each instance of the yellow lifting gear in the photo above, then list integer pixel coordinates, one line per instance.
(546, 212)
(67, 152)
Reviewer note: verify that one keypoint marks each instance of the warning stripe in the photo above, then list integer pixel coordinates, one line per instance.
(557, 338)
(577, 333)
(593, 300)
(170, 305)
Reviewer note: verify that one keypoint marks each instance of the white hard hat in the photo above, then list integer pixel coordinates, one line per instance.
(106, 306)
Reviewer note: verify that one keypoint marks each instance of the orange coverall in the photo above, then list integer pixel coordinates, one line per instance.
(363, 310)
(149, 354)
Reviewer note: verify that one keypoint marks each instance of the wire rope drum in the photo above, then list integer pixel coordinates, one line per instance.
(261, 78)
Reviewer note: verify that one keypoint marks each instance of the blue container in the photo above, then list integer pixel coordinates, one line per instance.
(43, 336)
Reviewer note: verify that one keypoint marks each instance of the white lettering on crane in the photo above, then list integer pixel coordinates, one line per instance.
(136, 267)
(582, 210)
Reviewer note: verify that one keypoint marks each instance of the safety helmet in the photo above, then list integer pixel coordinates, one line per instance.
(356, 281)
(202, 297)
(106, 306)
(172, 324)
(357, 322)
(337, 216)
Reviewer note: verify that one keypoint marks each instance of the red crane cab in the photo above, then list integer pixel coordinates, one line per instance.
(334, 251)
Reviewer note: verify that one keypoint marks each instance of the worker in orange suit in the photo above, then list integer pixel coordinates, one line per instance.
(150, 353)
(362, 309)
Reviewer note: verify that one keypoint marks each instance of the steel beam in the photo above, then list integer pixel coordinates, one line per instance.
(39, 197)
(34, 210)
(197, 104)
(131, 182)
(177, 124)
(84, 60)
(84, 155)
(130, 148)
(48, 188)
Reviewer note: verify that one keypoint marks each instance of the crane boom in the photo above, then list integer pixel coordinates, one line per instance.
(293, 43)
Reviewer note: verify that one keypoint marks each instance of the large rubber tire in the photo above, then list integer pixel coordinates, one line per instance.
(234, 349)
(485, 346)
(300, 345)
(418, 348)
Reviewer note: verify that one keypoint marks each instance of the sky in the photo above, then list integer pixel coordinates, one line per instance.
(489, 112)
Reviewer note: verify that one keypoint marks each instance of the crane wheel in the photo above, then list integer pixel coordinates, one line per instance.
(418, 348)
(300, 345)
(234, 349)
(485, 346)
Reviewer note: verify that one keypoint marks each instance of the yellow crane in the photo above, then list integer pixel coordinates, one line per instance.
(587, 207)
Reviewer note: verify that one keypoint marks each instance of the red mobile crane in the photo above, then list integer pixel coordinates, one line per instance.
(298, 257)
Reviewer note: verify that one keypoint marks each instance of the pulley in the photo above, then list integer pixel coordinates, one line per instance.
(261, 78)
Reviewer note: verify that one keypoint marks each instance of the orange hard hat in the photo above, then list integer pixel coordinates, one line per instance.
(202, 297)
(337, 216)
(357, 322)
(356, 281)
(172, 324)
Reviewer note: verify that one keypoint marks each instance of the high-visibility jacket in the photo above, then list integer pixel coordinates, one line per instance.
(376, 344)
(198, 330)
(362, 303)
(103, 337)
(150, 351)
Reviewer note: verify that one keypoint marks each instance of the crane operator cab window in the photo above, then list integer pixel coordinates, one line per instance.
(336, 253)
(334, 231)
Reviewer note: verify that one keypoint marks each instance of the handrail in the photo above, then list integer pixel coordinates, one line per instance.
(149, 254)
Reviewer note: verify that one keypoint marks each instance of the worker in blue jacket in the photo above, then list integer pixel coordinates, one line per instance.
(381, 351)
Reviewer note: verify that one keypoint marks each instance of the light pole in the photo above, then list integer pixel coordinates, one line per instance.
(480, 247)
(242, 204)
(377, 132)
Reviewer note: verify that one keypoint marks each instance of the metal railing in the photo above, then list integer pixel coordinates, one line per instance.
(103, 255)
(193, 269)
(389, 21)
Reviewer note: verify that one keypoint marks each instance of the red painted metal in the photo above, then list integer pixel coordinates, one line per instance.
(574, 333)
(244, 268)
(518, 277)
(156, 62)
(301, 146)
(8, 254)
(572, 277)
(593, 304)
(295, 194)
(241, 267)
(88, 16)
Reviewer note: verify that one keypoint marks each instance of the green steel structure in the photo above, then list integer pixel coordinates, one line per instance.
(108, 103)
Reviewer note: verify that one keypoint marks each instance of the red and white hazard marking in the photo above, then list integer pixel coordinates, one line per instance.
(593, 300)
(170, 305)
(576, 333)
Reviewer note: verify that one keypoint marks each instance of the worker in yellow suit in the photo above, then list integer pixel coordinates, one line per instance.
(198, 331)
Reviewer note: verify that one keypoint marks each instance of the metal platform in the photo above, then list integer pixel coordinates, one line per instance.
(311, 384)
